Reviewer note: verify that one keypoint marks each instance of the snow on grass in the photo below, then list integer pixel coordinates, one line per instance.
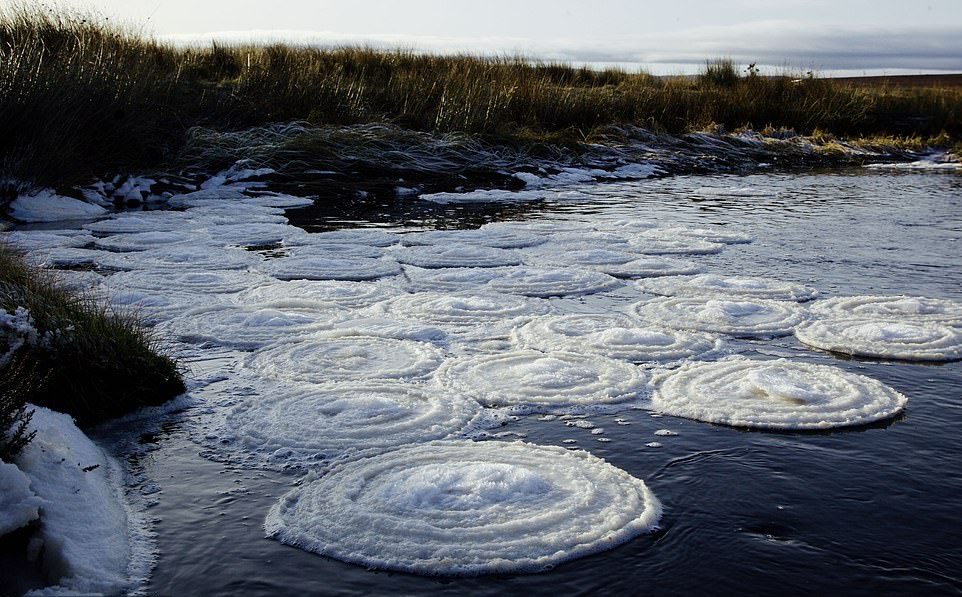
(46, 206)
(88, 531)
(19, 506)
(461, 508)
(777, 394)
(743, 318)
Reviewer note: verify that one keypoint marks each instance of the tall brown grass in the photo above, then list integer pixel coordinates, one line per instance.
(80, 97)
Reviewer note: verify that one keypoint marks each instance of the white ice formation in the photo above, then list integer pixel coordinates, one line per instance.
(908, 308)
(317, 267)
(716, 286)
(744, 318)
(432, 256)
(549, 282)
(462, 508)
(895, 338)
(774, 394)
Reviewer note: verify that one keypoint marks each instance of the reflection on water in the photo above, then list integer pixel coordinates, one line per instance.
(856, 511)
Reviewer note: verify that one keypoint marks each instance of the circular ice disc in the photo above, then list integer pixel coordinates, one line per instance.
(745, 318)
(713, 285)
(901, 339)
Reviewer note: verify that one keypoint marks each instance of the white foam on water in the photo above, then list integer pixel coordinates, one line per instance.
(164, 281)
(154, 307)
(353, 324)
(615, 336)
(460, 311)
(677, 246)
(295, 426)
(776, 394)
(745, 318)
(551, 282)
(712, 235)
(319, 359)
(456, 255)
(538, 381)
(78, 280)
(141, 241)
(317, 294)
(717, 286)
(485, 196)
(901, 339)
(316, 267)
(242, 328)
(448, 279)
(462, 508)
(38, 240)
(910, 308)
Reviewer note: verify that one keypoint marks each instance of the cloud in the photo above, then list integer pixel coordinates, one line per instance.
(774, 43)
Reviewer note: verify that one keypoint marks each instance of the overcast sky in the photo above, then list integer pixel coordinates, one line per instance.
(840, 36)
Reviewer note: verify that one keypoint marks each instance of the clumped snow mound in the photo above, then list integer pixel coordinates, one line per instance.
(461, 508)
(778, 394)
(89, 536)
(884, 338)
(550, 282)
(714, 285)
(319, 359)
(292, 426)
(908, 308)
(431, 256)
(320, 267)
(316, 294)
(47, 206)
(743, 318)
(243, 328)
(536, 380)
(614, 336)
(19, 506)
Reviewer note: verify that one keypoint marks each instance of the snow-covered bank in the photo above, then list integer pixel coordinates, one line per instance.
(88, 540)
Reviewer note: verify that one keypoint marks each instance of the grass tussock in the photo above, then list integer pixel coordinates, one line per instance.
(65, 351)
(79, 97)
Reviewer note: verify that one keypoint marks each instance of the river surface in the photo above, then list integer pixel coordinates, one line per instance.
(863, 511)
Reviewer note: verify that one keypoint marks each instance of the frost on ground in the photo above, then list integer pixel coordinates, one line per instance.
(884, 338)
(91, 543)
(778, 394)
(544, 381)
(295, 425)
(615, 336)
(461, 508)
(714, 285)
(743, 318)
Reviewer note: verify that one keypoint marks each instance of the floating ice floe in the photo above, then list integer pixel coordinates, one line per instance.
(901, 339)
(73, 257)
(38, 240)
(448, 279)
(46, 206)
(645, 267)
(777, 394)
(745, 318)
(555, 380)
(667, 246)
(317, 267)
(140, 221)
(165, 281)
(485, 196)
(351, 324)
(461, 311)
(550, 282)
(371, 237)
(193, 257)
(141, 241)
(334, 250)
(78, 280)
(430, 256)
(462, 508)
(252, 234)
(498, 238)
(322, 358)
(909, 308)
(316, 294)
(154, 307)
(726, 286)
(712, 235)
(614, 336)
(243, 328)
(934, 163)
(291, 426)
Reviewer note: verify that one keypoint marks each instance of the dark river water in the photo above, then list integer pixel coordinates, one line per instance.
(869, 511)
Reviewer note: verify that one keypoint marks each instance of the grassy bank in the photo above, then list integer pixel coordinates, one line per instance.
(67, 352)
(78, 97)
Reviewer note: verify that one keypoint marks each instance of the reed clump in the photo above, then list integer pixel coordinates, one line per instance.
(79, 97)
(67, 351)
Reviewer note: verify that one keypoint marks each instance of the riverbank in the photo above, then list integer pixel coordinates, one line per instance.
(82, 100)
